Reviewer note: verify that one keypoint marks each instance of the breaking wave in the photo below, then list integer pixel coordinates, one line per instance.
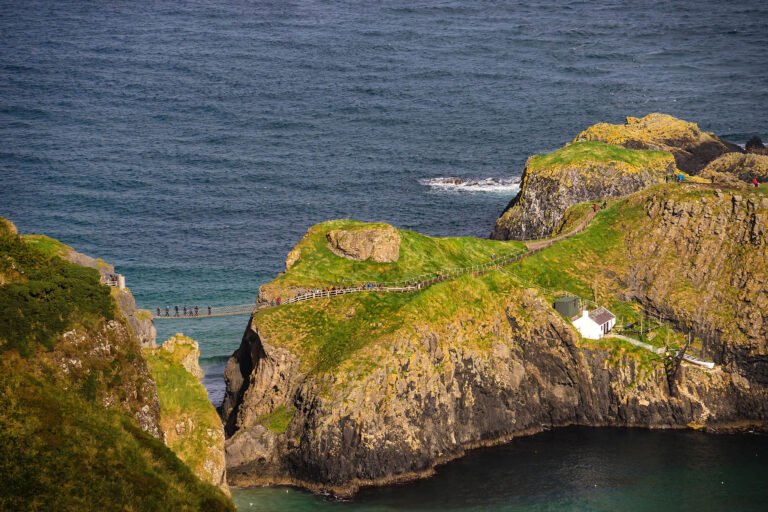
(452, 184)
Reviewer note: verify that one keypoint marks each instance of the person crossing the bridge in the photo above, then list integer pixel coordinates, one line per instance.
(167, 310)
(197, 311)
(209, 310)
(177, 310)
(185, 310)
(158, 311)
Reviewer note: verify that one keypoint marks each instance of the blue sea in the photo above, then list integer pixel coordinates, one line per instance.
(193, 143)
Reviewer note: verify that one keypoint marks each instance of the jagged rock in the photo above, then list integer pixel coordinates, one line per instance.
(755, 145)
(380, 243)
(692, 147)
(186, 352)
(140, 320)
(190, 424)
(740, 167)
(579, 172)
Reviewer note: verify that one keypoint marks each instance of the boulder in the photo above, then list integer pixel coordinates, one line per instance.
(379, 243)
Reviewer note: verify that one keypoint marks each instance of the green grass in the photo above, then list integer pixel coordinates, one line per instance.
(419, 254)
(182, 397)
(43, 295)
(593, 151)
(59, 451)
(46, 245)
(330, 333)
(277, 421)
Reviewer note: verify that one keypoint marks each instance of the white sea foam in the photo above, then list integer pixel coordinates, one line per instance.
(452, 184)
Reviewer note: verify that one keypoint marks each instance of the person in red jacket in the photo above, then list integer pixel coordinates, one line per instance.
(754, 182)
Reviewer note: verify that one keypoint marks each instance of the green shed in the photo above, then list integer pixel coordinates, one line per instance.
(567, 306)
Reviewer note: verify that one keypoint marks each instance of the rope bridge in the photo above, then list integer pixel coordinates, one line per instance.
(347, 287)
(411, 285)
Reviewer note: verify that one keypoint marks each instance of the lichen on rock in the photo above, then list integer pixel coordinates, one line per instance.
(379, 243)
(741, 167)
(692, 147)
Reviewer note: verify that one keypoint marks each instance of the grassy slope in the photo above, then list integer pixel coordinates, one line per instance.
(582, 153)
(593, 151)
(60, 449)
(183, 397)
(333, 333)
(43, 295)
(419, 254)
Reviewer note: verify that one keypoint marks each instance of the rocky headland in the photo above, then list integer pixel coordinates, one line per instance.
(604, 161)
(370, 389)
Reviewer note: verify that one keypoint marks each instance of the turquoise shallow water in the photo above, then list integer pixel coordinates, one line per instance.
(192, 144)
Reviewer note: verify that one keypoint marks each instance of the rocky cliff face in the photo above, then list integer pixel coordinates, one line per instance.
(550, 187)
(106, 364)
(191, 426)
(438, 392)
(693, 148)
(703, 262)
(741, 167)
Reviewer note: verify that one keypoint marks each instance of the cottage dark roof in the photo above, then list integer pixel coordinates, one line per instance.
(601, 316)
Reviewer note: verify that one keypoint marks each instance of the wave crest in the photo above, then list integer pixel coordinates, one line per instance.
(453, 184)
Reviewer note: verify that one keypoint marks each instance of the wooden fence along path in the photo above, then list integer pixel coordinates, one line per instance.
(405, 286)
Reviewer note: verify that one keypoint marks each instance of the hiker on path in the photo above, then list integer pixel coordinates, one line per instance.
(754, 182)
(594, 207)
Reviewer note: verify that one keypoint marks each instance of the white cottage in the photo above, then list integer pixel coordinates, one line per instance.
(595, 324)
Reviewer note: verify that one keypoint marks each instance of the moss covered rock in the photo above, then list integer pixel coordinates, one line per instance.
(741, 167)
(191, 426)
(582, 171)
(692, 147)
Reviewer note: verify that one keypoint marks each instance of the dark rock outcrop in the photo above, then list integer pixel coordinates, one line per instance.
(718, 246)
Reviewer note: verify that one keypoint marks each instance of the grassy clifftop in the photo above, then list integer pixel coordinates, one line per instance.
(346, 335)
(315, 265)
(581, 154)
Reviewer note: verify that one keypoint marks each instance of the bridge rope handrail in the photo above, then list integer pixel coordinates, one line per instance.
(410, 284)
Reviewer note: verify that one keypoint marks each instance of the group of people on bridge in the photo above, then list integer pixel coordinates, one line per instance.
(187, 311)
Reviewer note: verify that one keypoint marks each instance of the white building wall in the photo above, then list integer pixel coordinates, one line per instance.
(587, 327)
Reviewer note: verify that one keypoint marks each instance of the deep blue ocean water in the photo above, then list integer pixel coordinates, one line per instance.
(192, 144)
